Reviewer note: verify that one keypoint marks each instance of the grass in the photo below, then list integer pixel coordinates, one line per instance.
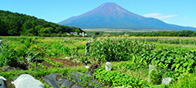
(187, 81)
(158, 45)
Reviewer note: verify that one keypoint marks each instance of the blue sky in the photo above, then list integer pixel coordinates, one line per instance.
(180, 12)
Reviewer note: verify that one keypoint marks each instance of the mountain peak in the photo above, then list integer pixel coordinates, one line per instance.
(110, 4)
(111, 15)
(114, 9)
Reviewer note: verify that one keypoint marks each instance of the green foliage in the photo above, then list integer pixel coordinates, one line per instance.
(57, 48)
(97, 33)
(77, 31)
(15, 24)
(22, 49)
(133, 66)
(171, 62)
(28, 42)
(155, 77)
(177, 41)
(31, 57)
(111, 78)
(37, 74)
(181, 60)
(175, 61)
(84, 59)
(183, 33)
(118, 50)
(7, 56)
(167, 40)
(187, 81)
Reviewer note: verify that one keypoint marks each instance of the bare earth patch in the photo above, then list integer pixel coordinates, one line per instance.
(64, 62)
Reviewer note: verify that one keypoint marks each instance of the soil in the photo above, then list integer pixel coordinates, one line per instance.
(22, 65)
(58, 77)
(64, 62)
(8, 83)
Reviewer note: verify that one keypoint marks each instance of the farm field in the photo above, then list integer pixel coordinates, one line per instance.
(131, 57)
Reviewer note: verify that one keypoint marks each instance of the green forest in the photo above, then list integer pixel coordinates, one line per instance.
(16, 24)
(182, 33)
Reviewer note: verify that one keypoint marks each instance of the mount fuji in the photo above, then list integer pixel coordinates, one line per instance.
(112, 16)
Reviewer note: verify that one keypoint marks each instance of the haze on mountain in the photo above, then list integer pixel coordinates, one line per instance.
(112, 16)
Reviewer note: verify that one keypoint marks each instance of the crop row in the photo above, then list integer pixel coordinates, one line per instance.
(29, 49)
(168, 41)
(115, 79)
(127, 49)
(118, 50)
(177, 59)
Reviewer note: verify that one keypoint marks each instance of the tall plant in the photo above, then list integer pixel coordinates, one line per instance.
(118, 49)
(7, 56)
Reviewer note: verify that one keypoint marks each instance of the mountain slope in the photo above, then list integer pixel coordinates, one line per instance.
(110, 15)
(14, 24)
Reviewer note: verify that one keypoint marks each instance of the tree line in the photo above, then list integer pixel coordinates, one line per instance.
(15, 24)
(183, 33)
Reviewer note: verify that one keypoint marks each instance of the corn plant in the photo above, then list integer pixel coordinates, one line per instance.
(118, 50)
(31, 57)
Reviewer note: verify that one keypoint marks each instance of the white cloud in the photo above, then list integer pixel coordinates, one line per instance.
(165, 21)
(158, 15)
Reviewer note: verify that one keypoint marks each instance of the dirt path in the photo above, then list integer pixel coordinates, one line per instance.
(64, 62)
